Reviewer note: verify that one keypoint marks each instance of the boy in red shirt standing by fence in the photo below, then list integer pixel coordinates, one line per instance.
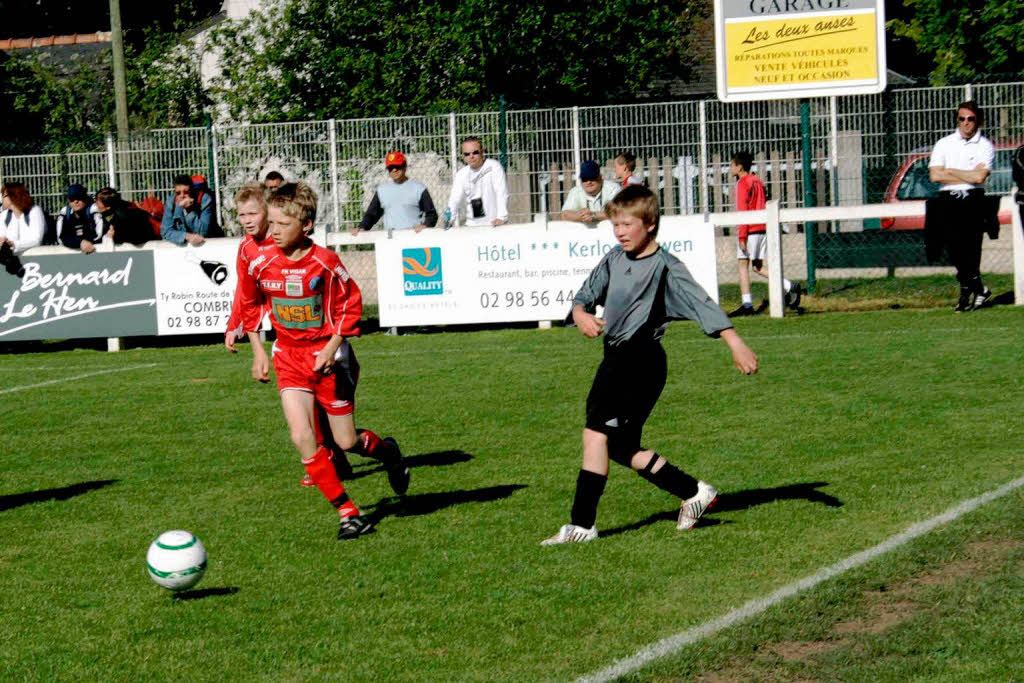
(752, 242)
(314, 307)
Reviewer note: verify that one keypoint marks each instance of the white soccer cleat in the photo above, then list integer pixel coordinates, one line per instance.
(570, 533)
(692, 508)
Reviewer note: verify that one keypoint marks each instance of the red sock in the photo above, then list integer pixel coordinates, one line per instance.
(321, 470)
(366, 443)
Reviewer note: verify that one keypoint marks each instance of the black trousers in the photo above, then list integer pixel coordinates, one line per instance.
(964, 227)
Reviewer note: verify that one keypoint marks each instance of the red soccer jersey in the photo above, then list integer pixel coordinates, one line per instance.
(750, 196)
(251, 253)
(310, 299)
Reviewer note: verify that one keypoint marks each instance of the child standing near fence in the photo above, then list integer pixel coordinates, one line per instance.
(752, 243)
(642, 288)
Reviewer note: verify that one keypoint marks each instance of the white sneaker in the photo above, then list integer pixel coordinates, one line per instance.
(692, 508)
(570, 533)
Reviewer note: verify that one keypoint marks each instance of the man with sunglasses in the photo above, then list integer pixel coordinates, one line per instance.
(479, 188)
(402, 202)
(961, 163)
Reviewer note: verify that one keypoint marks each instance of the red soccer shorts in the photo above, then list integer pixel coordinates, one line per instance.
(334, 391)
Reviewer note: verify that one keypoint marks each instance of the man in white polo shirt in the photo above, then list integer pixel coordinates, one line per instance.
(961, 163)
(585, 202)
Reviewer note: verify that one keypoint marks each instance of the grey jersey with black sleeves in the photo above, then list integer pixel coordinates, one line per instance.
(642, 295)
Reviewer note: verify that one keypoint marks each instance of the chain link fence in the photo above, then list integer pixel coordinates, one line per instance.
(820, 152)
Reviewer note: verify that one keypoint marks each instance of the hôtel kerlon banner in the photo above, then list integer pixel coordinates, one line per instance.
(782, 49)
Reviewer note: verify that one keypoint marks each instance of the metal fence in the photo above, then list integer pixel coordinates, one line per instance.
(825, 152)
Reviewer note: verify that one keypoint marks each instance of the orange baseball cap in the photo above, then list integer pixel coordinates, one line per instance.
(394, 159)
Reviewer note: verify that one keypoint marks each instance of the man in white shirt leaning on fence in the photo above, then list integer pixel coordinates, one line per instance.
(479, 188)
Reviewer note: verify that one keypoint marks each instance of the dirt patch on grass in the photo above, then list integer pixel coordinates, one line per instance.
(881, 610)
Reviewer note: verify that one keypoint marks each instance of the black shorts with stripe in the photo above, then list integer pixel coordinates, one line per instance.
(627, 384)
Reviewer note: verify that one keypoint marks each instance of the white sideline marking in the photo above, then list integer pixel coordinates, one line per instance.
(68, 379)
(674, 643)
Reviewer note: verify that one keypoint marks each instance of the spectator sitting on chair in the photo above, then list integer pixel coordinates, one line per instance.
(404, 203)
(80, 224)
(22, 223)
(585, 202)
(273, 181)
(122, 222)
(188, 213)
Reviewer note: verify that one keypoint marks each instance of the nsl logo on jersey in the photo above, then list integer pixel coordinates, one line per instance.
(421, 271)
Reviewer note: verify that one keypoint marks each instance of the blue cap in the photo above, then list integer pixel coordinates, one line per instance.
(589, 170)
(78, 192)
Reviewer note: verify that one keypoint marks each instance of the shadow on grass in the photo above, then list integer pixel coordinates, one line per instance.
(204, 593)
(1004, 299)
(436, 459)
(15, 500)
(741, 500)
(429, 503)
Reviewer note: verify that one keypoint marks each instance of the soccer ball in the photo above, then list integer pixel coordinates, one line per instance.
(176, 560)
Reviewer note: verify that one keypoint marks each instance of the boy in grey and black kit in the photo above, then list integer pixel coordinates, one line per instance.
(642, 288)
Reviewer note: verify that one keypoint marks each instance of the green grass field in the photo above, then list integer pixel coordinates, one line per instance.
(857, 426)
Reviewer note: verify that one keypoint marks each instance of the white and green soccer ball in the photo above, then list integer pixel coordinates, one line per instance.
(176, 560)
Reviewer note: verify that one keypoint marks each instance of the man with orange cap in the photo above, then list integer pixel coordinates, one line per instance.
(404, 203)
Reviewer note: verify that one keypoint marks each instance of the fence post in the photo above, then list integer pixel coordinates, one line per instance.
(453, 152)
(214, 166)
(111, 164)
(833, 150)
(776, 309)
(809, 228)
(1018, 245)
(332, 137)
(577, 153)
(703, 161)
(503, 133)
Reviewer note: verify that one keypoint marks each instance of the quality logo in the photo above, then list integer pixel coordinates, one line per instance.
(421, 271)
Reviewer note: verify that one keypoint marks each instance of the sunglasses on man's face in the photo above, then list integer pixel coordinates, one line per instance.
(964, 118)
(471, 154)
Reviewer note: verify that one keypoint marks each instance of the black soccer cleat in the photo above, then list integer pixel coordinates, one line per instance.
(966, 300)
(398, 473)
(981, 298)
(354, 527)
(743, 311)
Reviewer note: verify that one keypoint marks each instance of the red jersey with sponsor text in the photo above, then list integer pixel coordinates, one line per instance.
(309, 300)
(251, 253)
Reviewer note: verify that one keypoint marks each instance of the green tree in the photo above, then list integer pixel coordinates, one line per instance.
(965, 42)
(327, 58)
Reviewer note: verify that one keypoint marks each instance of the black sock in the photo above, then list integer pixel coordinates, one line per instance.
(589, 488)
(672, 479)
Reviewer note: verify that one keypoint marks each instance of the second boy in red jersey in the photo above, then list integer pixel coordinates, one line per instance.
(315, 306)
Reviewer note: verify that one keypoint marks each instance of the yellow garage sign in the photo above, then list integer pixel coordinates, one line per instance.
(781, 49)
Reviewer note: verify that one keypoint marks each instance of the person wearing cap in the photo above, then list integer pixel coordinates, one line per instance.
(404, 203)
(479, 188)
(80, 225)
(585, 202)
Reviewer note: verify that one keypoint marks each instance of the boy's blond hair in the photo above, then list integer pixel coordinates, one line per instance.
(638, 201)
(296, 200)
(251, 192)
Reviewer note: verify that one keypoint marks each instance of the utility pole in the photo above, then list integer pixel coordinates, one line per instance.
(120, 87)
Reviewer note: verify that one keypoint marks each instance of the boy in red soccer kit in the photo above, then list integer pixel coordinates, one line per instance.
(752, 242)
(314, 307)
(251, 204)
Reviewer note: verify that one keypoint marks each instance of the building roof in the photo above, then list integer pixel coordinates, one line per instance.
(99, 38)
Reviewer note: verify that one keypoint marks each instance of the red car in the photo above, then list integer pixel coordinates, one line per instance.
(911, 182)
